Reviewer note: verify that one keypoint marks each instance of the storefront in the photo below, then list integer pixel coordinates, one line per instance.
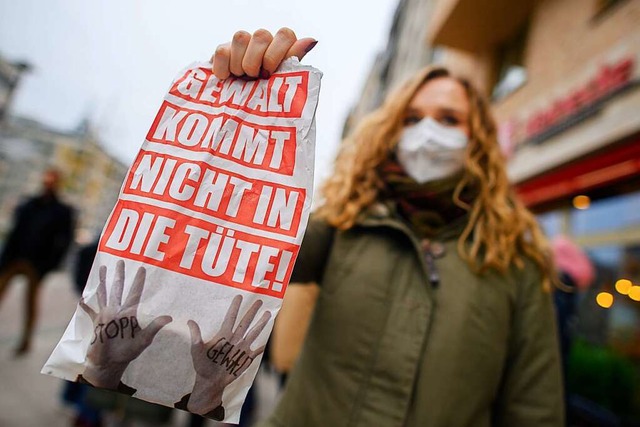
(592, 195)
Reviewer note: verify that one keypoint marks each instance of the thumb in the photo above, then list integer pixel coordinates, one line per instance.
(154, 327)
(301, 47)
(91, 312)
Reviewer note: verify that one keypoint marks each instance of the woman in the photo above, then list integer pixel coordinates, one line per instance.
(434, 307)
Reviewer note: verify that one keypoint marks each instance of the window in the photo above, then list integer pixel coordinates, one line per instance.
(512, 73)
(607, 215)
(601, 340)
(551, 223)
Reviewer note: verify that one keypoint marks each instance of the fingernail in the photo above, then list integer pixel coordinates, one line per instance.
(264, 74)
(311, 46)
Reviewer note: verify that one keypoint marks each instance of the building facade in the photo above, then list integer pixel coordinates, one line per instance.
(404, 54)
(91, 176)
(563, 77)
(10, 74)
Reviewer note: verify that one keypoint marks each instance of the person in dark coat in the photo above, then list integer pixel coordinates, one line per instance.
(41, 234)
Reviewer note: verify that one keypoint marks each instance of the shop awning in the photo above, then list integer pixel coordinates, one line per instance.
(473, 25)
(619, 163)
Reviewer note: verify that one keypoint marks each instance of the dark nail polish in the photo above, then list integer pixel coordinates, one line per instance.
(264, 74)
(311, 46)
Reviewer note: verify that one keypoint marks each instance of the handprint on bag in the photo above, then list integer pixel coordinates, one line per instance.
(118, 338)
(223, 359)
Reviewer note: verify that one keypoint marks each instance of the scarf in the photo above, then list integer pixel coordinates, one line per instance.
(429, 207)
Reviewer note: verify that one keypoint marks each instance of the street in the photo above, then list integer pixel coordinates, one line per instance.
(28, 398)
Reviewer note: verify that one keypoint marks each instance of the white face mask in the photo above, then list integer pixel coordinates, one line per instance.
(429, 151)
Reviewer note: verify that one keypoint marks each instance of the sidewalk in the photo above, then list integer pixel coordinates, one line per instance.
(27, 398)
(30, 399)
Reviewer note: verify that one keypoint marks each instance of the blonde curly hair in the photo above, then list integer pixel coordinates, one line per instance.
(500, 232)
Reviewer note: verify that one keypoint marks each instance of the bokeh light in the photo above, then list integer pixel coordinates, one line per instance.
(581, 202)
(604, 299)
(623, 286)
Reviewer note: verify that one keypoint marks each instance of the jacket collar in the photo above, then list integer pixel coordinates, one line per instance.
(385, 213)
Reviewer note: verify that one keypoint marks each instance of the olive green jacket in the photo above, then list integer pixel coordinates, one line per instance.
(386, 348)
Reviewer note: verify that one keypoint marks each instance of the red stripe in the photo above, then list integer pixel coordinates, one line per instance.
(595, 171)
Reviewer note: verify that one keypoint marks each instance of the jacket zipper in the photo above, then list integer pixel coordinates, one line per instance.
(426, 257)
(434, 275)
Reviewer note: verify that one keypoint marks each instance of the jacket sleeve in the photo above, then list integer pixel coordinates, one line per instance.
(63, 236)
(314, 251)
(17, 229)
(531, 392)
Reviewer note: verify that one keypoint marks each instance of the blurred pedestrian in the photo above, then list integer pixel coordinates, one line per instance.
(435, 306)
(577, 273)
(41, 234)
(75, 393)
(84, 262)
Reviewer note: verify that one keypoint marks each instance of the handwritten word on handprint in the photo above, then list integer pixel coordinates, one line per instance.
(220, 352)
(116, 329)
(215, 368)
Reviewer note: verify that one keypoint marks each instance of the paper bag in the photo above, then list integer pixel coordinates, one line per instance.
(196, 255)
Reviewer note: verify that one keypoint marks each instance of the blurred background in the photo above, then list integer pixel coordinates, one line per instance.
(80, 83)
